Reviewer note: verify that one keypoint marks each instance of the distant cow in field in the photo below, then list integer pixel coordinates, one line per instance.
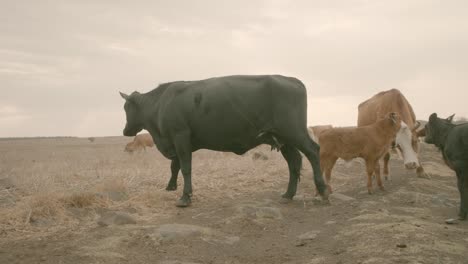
(407, 139)
(140, 142)
(369, 142)
(452, 140)
(230, 114)
(315, 131)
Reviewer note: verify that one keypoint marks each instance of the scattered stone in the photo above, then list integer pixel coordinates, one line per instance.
(342, 197)
(300, 243)
(116, 218)
(401, 245)
(169, 232)
(442, 200)
(261, 212)
(177, 262)
(306, 237)
(117, 196)
(309, 235)
(259, 156)
(330, 222)
(451, 221)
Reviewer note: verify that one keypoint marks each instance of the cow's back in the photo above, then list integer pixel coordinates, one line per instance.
(230, 113)
(385, 102)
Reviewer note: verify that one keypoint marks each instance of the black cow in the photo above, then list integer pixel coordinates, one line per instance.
(452, 140)
(231, 114)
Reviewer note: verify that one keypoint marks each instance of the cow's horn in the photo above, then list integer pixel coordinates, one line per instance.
(450, 118)
(124, 96)
(416, 125)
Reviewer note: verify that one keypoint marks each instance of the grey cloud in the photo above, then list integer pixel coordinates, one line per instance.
(62, 60)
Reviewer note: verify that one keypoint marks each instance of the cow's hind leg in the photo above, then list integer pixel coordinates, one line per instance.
(294, 159)
(184, 152)
(175, 167)
(462, 182)
(311, 151)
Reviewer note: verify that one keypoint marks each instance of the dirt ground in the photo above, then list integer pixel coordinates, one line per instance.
(70, 200)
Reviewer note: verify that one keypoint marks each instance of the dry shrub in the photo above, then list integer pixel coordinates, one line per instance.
(47, 209)
(83, 200)
(113, 185)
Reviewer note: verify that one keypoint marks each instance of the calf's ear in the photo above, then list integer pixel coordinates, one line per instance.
(433, 117)
(394, 117)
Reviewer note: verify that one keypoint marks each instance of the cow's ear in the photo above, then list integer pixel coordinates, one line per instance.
(416, 126)
(124, 96)
(433, 117)
(450, 118)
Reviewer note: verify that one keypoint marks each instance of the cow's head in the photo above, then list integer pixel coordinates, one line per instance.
(437, 129)
(134, 119)
(407, 142)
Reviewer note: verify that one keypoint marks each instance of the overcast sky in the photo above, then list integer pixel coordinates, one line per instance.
(62, 63)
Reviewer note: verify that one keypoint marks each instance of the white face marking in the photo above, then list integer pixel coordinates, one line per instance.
(403, 139)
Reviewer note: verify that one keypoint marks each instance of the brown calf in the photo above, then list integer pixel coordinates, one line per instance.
(369, 142)
(140, 142)
(315, 131)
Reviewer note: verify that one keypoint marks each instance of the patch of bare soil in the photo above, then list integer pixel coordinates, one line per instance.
(76, 201)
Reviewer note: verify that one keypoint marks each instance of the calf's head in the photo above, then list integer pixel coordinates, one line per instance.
(437, 129)
(407, 142)
(134, 122)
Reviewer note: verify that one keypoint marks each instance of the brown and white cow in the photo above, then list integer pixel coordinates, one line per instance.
(369, 142)
(406, 139)
(315, 131)
(140, 142)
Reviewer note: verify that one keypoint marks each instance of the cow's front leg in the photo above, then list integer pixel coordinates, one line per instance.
(184, 153)
(377, 175)
(175, 167)
(370, 168)
(385, 169)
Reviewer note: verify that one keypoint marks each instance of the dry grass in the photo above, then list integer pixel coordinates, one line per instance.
(50, 176)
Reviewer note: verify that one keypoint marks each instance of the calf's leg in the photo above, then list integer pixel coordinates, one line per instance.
(327, 166)
(377, 175)
(370, 168)
(385, 169)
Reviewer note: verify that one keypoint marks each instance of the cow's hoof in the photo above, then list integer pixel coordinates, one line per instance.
(183, 202)
(369, 191)
(382, 188)
(171, 188)
(287, 196)
(326, 194)
(284, 200)
(424, 175)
